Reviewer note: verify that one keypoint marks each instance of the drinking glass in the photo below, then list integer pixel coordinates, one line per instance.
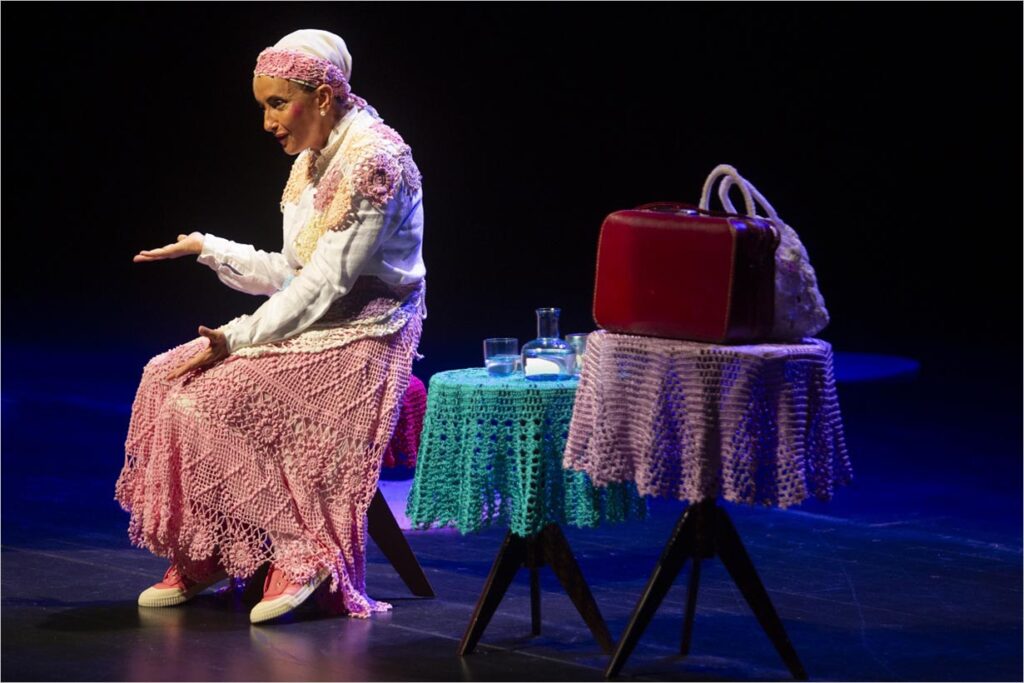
(578, 342)
(501, 356)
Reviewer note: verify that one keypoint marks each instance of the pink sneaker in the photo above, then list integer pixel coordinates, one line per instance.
(177, 588)
(281, 597)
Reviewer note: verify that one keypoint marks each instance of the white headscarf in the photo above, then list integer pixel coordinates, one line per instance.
(321, 44)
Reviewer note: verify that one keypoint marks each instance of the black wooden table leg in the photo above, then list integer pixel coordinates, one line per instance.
(733, 555)
(534, 559)
(534, 601)
(691, 606)
(559, 557)
(510, 558)
(681, 545)
(547, 547)
(385, 532)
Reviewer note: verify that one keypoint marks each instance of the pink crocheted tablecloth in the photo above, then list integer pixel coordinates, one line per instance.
(752, 424)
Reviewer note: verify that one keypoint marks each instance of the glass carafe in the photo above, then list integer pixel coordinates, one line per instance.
(548, 357)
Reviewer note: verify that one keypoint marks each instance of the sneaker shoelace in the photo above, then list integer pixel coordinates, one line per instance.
(175, 577)
(172, 575)
(275, 582)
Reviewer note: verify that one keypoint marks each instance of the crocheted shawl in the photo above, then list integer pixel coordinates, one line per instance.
(369, 161)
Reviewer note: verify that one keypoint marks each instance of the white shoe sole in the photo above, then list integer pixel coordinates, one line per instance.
(168, 597)
(272, 609)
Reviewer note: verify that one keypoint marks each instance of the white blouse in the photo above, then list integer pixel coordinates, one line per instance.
(382, 243)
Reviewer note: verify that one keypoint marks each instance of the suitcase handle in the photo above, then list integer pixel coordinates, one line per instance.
(723, 196)
(689, 209)
(751, 197)
(725, 170)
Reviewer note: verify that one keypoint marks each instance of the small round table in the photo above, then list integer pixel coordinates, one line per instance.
(491, 454)
(756, 424)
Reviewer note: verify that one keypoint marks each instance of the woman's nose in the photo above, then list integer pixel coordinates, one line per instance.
(268, 123)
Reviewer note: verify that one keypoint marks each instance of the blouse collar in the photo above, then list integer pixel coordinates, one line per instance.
(322, 158)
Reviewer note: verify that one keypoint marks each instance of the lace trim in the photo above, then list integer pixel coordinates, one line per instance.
(302, 68)
(369, 163)
(372, 313)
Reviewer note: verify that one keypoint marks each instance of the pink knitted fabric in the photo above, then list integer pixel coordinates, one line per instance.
(754, 424)
(405, 444)
(272, 457)
(299, 66)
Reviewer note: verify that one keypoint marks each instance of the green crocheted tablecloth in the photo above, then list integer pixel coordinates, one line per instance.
(491, 454)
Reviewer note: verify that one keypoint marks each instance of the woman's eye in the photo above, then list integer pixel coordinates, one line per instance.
(273, 104)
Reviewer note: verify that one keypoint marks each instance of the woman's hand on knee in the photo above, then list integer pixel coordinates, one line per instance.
(187, 245)
(215, 352)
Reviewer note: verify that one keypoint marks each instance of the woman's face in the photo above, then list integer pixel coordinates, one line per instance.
(290, 114)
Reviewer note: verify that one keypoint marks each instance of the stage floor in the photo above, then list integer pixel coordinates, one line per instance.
(912, 573)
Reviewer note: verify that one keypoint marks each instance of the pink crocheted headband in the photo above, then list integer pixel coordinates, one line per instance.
(302, 68)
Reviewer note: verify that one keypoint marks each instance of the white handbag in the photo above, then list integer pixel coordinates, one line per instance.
(799, 307)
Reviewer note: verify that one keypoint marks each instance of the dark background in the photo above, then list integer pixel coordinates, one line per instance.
(888, 135)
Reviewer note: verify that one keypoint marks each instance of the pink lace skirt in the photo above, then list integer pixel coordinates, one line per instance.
(266, 458)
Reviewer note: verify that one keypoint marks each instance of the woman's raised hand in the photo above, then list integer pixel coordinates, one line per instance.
(187, 245)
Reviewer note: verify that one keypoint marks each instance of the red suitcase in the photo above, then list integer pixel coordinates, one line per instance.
(673, 270)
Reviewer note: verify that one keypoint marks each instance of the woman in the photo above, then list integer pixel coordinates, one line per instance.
(261, 441)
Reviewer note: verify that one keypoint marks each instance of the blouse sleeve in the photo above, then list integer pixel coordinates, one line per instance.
(339, 258)
(243, 267)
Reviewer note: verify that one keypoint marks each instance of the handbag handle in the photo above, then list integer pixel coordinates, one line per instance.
(725, 170)
(723, 196)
